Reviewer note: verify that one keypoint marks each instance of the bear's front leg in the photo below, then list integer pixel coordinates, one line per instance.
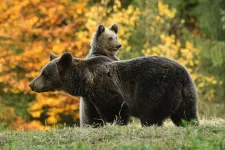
(89, 117)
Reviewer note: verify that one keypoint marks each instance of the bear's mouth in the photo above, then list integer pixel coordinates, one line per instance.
(44, 89)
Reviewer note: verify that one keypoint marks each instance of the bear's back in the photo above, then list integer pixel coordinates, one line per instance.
(151, 62)
(150, 67)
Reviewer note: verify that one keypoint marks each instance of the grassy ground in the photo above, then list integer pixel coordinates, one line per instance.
(209, 135)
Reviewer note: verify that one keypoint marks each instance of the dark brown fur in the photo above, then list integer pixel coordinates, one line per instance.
(153, 88)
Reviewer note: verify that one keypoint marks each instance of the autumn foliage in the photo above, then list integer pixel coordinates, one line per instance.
(29, 31)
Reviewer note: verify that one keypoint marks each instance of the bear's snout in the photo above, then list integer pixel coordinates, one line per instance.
(31, 85)
(37, 84)
(118, 46)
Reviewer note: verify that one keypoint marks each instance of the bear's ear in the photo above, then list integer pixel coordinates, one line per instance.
(100, 30)
(52, 56)
(115, 28)
(65, 61)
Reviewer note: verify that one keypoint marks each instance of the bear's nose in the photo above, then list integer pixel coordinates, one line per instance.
(118, 46)
(31, 86)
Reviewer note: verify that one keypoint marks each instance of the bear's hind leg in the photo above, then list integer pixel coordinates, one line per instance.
(185, 115)
(187, 111)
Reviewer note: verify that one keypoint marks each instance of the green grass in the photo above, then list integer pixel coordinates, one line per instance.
(210, 135)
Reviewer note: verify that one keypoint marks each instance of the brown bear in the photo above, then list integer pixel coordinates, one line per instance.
(153, 88)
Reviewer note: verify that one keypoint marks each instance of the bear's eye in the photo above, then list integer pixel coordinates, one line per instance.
(110, 38)
(44, 73)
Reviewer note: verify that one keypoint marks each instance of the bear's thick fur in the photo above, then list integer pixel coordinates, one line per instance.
(153, 88)
(104, 43)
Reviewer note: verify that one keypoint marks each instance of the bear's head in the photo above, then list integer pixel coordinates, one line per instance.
(71, 75)
(106, 39)
(56, 75)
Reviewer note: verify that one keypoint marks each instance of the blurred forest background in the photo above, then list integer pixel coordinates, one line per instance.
(189, 31)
